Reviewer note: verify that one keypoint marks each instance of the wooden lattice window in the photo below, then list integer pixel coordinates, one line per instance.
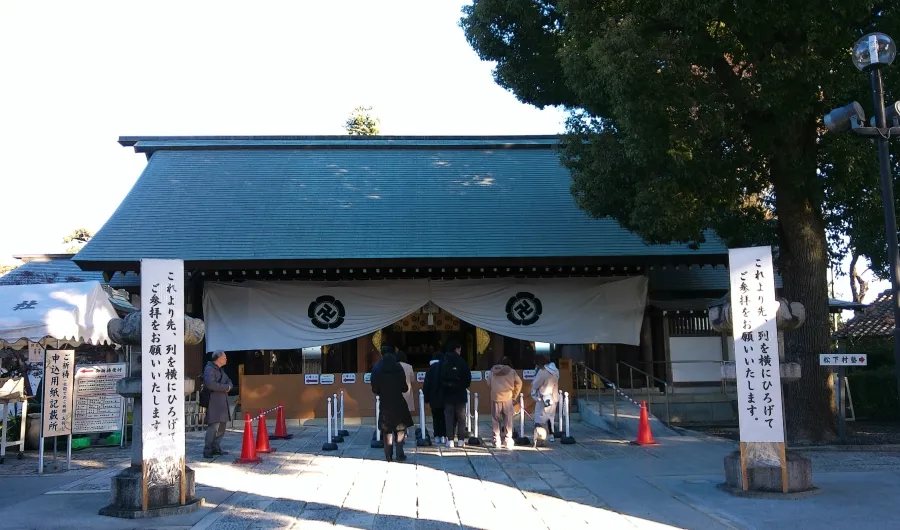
(690, 324)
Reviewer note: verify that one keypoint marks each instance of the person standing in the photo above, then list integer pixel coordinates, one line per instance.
(389, 383)
(434, 396)
(408, 395)
(455, 380)
(505, 386)
(545, 392)
(217, 385)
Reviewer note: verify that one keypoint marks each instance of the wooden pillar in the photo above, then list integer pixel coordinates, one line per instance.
(363, 345)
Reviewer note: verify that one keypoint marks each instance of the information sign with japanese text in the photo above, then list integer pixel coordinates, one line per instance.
(843, 359)
(98, 408)
(162, 368)
(59, 366)
(754, 307)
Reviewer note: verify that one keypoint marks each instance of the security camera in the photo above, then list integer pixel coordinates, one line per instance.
(845, 118)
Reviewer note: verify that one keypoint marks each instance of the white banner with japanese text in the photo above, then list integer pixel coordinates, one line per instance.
(754, 307)
(162, 368)
(98, 407)
(56, 412)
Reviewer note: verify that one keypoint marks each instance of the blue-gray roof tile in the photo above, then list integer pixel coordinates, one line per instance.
(326, 198)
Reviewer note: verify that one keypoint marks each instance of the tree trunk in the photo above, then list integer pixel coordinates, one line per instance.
(803, 263)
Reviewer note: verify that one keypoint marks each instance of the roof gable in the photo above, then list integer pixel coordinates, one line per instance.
(328, 198)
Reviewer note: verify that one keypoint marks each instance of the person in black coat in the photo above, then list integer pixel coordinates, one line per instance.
(455, 380)
(389, 383)
(434, 396)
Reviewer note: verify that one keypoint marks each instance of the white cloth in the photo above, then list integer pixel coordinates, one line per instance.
(572, 310)
(544, 388)
(290, 315)
(77, 312)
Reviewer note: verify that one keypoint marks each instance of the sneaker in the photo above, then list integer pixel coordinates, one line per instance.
(497, 443)
(509, 443)
(461, 444)
(551, 438)
(449, 444)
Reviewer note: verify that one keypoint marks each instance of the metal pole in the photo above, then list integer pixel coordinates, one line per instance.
(890, 219)
(521, 415)
(468, 412)
(342, 410)
(377, 414)
(842, 425)
(335, 414)
(40, 451)
(566, 395)
(329, 440)
(69, 454)
(560, 425)
(475, 416)
(422, 411)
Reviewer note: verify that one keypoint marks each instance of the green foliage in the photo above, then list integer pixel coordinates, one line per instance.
(688, 116)
(13, 428)
(79, 236)
(694, 116)
(361, 123)
(875, 394)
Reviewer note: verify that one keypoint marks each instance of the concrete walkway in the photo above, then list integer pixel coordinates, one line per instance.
(601, 482)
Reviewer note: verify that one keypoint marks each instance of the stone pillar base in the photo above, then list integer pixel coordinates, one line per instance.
(125, 502)
(765, 481)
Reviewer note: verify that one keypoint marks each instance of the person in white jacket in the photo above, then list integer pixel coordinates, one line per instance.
(545, 393)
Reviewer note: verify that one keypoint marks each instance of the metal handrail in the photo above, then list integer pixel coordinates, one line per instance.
(647, 377)
(607, 382)
(721, 363)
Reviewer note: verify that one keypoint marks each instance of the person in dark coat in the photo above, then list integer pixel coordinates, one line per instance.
(455, 380)
(218, 384)
(434, 396)
(389, 383)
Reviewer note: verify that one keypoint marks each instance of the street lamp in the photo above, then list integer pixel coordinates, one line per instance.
(870, 54)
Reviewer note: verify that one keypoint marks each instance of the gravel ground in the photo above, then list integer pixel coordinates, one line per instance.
(858, 433)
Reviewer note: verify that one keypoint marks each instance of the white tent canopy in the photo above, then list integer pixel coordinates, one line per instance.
(71, 313)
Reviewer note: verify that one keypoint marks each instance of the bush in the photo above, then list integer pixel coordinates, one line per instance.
(13, 427)
(874, 394)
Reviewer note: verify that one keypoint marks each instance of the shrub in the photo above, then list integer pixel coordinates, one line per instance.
(874, 394)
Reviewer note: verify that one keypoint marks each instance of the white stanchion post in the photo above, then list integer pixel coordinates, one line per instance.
(567, 440)
(329, 420)
(468, 412)
(376, 442)
(342, 410)
(338, 438)
(475, 415)
(559, 426)
(424, 440)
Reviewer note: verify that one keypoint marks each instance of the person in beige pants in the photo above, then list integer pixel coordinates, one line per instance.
(505, 386)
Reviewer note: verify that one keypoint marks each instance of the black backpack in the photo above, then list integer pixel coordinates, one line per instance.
(451, 376)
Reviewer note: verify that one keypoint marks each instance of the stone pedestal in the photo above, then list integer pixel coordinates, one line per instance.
(127, 491)
(125, 500)
(765, 481)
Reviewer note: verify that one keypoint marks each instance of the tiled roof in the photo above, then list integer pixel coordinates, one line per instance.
(876, 320)
(693, 279)
(248, 199)
(59, 268)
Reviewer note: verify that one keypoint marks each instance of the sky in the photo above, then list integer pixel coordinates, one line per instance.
(80, 74)
(77, 75)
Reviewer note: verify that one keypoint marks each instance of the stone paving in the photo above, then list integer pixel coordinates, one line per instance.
(602, 481)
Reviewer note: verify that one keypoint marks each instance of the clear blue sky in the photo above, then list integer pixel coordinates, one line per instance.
(79, 74)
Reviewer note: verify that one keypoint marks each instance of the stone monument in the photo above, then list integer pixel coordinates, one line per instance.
(127, 495)
(763, 460)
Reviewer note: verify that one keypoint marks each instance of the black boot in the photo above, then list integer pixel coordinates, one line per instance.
(401, 456)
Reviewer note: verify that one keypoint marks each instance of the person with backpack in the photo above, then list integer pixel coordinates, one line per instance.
(214, 396)
(505, 386)
(545, 392)
(434, 397)
(455, 380)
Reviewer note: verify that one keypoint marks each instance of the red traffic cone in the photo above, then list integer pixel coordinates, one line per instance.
(645, 435)
(262, 435)
(248, 448)
(280, 427)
